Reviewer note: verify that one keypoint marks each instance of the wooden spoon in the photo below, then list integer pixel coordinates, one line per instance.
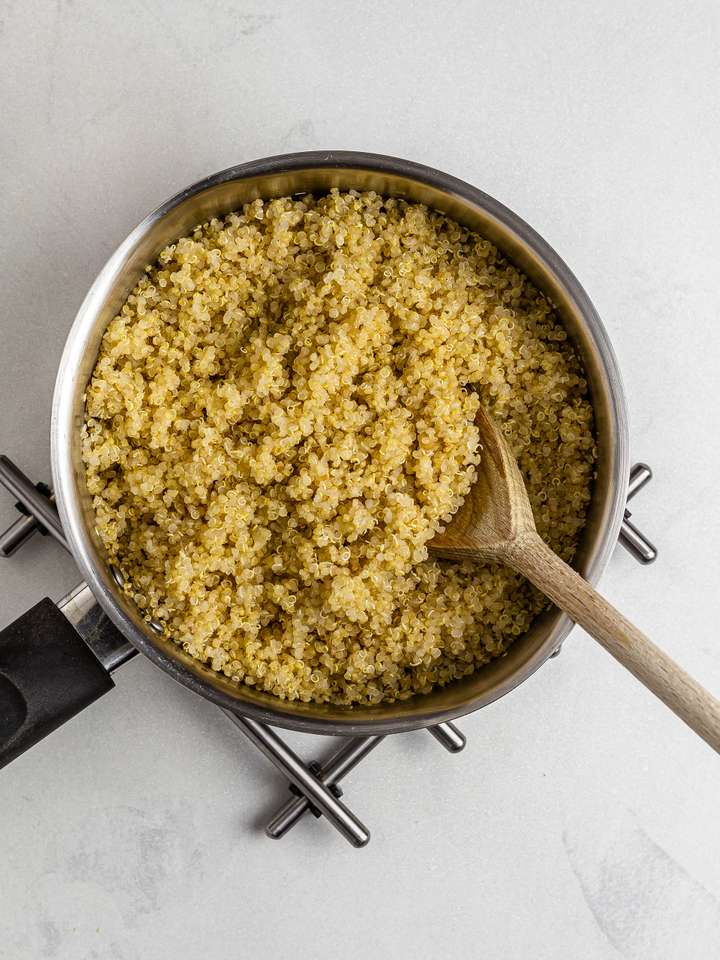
(495, 522)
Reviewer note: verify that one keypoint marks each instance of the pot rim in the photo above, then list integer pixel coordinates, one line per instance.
(64, 422)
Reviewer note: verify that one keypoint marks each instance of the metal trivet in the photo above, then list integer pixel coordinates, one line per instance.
(314, 786)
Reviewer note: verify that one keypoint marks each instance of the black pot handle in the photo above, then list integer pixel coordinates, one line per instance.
(47, 675)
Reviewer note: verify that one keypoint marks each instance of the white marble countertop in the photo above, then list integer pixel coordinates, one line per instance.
(582, 819)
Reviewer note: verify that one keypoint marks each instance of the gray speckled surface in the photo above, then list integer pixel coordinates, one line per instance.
(581, 821)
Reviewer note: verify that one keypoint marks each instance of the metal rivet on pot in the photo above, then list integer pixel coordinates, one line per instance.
(155, 626)
(117, 575)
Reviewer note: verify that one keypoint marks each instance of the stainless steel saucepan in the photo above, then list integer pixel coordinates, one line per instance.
(43, 679)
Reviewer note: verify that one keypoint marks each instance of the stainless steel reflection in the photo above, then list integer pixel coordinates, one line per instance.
(329, 774)
(448, 736)
(16, 535)
(313, 788)
(100, 634)
(318, 172)
(631, 538)
(636, 542)
(341, 763)
(639, 476)
(14, 480)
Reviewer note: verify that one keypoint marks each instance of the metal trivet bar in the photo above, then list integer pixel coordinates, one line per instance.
(314, 786)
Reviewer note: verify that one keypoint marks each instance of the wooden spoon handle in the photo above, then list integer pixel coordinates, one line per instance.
(531, 556)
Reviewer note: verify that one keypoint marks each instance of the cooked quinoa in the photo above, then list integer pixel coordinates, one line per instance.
(281, 417)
